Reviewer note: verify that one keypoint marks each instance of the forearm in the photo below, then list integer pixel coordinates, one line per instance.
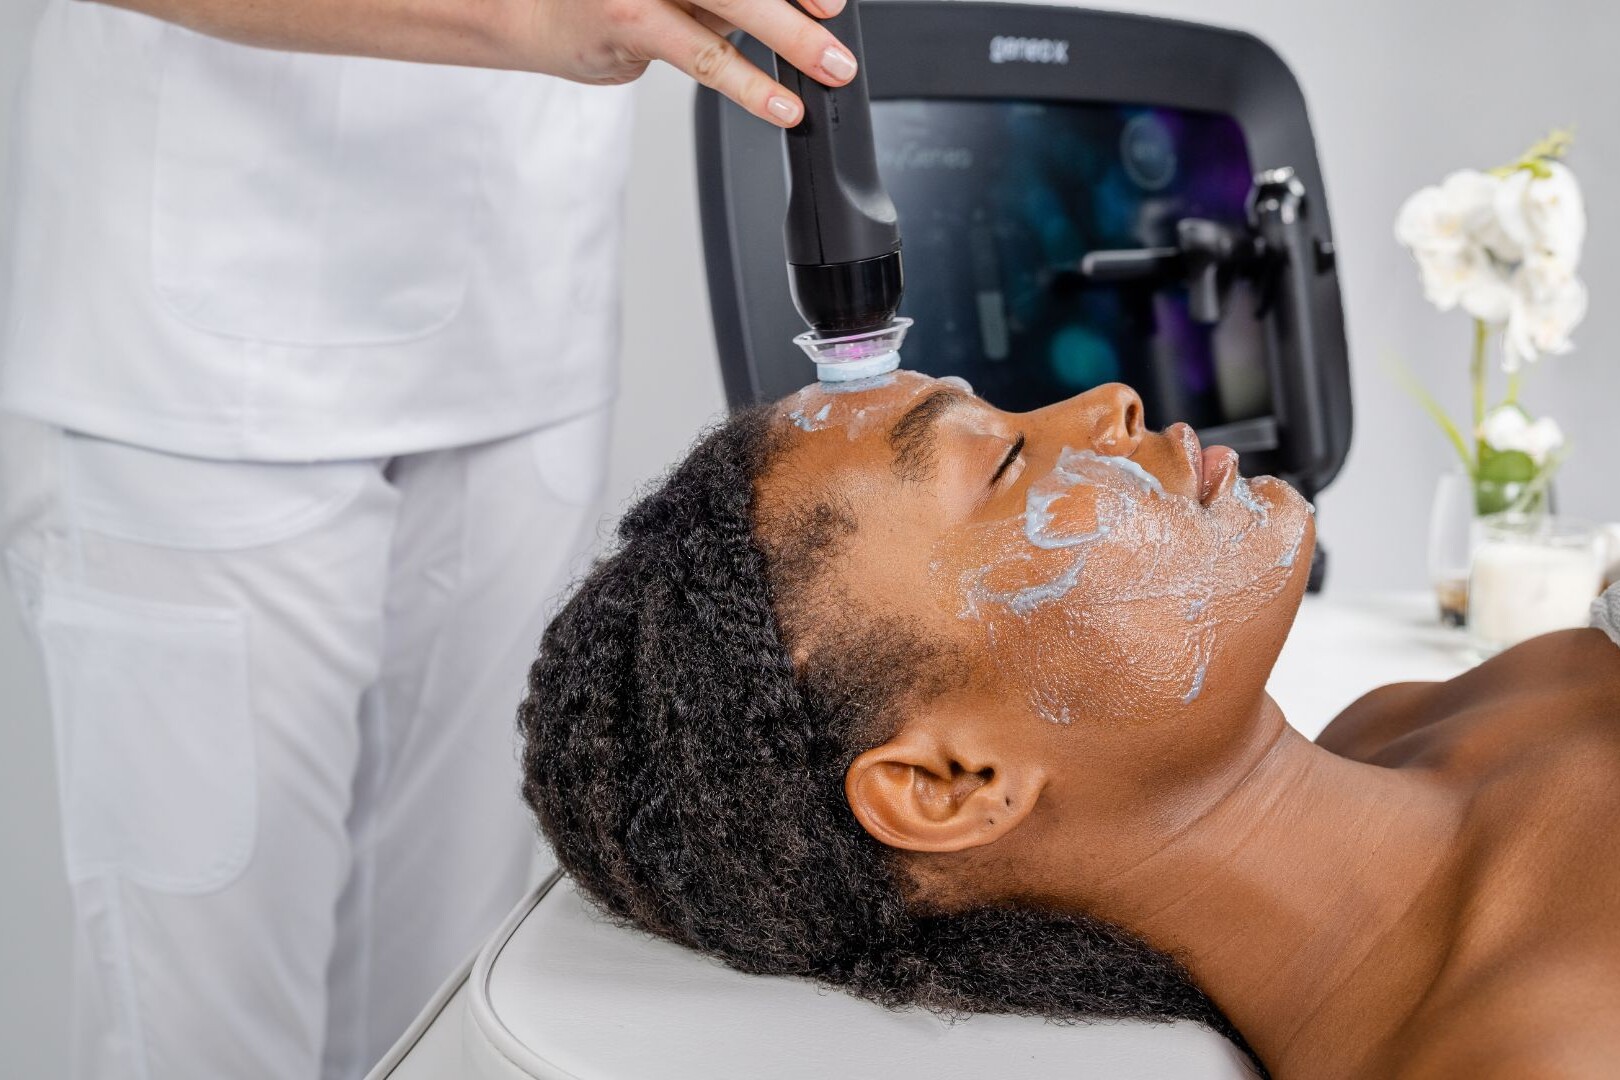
(475, 33)
(588, 41)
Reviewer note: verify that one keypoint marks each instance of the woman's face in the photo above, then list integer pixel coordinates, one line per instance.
(1095, 576)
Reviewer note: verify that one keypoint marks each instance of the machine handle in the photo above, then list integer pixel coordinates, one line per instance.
(1131, 264)
(1277, 212)
(838, 209)
(1206, 255)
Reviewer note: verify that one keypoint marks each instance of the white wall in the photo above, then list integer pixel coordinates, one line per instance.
(1400, 93)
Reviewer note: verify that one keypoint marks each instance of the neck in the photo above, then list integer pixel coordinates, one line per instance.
(1301, 898)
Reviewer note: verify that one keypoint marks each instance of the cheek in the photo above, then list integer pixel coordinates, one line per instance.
(1117, 604)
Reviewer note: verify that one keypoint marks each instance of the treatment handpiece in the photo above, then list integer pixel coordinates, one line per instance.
(842, 236)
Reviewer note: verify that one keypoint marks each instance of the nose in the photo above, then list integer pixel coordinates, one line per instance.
(1113, 415)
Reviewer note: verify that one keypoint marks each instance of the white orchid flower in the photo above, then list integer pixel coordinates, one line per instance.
(1541, 215)
(1543, 439)
(1441, 225)
(1446, 275)
(1504, 248)
(1468, 277)
(1447, 216)
(1487, 294)
(1508, 428)
(1548, 303)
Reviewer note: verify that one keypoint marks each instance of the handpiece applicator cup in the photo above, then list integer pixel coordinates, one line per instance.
(855, 356)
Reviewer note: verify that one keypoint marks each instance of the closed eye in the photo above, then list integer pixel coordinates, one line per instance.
(1007, 462)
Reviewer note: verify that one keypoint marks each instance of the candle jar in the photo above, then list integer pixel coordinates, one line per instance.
(1530, 574)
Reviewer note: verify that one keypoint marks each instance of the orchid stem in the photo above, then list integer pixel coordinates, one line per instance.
(1426, 401)
(1476, 372)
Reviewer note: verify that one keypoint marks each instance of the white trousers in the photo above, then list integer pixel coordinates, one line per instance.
(284, 700)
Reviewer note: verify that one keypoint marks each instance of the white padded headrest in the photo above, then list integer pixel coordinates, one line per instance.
(560, 993)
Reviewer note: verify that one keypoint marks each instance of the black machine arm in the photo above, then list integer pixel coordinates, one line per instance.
(841, 234)
(1206, 257)
(1277, 208)
(1278, 254)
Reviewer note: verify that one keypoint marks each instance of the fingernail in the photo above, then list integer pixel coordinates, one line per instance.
(784, 109)
(838, 63)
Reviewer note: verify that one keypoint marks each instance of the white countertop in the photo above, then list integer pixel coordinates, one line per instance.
(1342, 647)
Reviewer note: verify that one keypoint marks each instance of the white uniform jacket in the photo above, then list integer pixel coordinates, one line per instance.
(241, 253)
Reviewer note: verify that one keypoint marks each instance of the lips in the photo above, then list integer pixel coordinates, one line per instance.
(1219, 472)
(1214, 468)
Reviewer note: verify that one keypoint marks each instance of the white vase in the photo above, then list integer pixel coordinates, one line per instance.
(1451, 532)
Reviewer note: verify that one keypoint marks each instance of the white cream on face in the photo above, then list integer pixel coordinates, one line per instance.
(1102, 555)
(839, 405)
(1108, 597)
(813, 422)
(1245, 495)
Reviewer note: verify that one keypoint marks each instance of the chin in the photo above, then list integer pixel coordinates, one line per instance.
(1295, 555)
(1276, 569)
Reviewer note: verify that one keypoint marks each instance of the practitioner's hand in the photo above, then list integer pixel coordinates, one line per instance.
(613, 41)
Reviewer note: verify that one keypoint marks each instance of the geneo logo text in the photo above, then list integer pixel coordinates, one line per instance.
(1028, 50)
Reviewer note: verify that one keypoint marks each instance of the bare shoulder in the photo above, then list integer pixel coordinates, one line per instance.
(1483, 1049)
(1566, 680)
(1543, 1061)
(1379, 718)
(1528, 1016)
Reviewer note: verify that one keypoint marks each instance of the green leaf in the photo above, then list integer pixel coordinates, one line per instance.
(1506, 466)
(1511, 480)
(1491, 497)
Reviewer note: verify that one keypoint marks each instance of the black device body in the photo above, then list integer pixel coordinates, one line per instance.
(841, 233)
(962, 76)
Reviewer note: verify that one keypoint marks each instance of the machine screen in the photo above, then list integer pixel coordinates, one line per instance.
(998, 203)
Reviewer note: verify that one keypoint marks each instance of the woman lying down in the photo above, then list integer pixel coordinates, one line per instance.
(951, 707)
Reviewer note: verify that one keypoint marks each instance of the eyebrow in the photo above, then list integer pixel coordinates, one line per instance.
(914, 436)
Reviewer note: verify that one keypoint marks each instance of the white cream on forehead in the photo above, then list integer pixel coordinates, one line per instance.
(813, 422)
(1118, 538)
(827, 406)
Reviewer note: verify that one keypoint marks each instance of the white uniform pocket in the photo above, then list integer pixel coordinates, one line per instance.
(195, 504)
(313, 200)
(154, 745)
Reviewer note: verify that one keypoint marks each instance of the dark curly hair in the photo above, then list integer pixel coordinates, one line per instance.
(690, 776)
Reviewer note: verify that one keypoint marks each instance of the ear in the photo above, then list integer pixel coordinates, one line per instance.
(925, 790)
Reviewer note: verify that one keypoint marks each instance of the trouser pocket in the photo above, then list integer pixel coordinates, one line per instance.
(154, 745)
